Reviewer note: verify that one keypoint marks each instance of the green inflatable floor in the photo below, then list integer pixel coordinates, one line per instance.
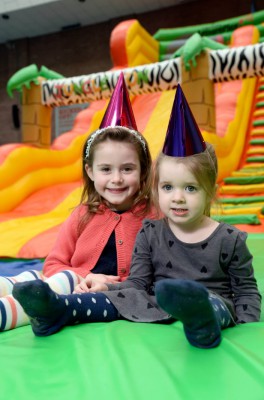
(128, 361)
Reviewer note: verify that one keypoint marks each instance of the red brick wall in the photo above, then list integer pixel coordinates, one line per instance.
(86, 50)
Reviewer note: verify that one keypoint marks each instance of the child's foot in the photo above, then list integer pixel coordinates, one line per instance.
(188, 302)
(42, 305)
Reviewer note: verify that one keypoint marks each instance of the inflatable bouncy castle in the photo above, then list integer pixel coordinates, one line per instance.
(220, 67)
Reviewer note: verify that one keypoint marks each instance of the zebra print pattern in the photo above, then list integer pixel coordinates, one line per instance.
(147, 78)
(236, 63)
(224, 65)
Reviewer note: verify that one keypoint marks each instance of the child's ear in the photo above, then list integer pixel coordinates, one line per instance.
(89, 171)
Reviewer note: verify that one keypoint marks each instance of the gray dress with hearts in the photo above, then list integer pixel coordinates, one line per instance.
(222, 263)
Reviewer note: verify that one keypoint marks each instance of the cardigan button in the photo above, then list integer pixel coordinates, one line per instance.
(123, 270)
(117, 217)
(120, 241)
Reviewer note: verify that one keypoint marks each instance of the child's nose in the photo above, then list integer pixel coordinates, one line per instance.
(117, 176)
(178, 196)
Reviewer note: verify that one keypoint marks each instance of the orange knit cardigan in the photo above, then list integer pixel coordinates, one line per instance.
(80, 253)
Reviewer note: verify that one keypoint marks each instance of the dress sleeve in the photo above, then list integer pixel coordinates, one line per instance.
(141, 271)
(246, 296)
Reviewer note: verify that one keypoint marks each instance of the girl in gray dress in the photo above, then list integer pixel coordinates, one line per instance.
(185, 266)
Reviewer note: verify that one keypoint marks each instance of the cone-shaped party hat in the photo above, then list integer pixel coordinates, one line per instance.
(183, 137)
(119, 111)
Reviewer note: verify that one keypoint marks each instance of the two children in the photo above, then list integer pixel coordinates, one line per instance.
(185, 266)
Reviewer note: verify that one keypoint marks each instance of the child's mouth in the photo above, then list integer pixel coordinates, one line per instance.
(179, 211)
(117, 191)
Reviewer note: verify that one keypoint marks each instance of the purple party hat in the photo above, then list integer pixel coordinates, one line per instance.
(119, 111)
(183, 137)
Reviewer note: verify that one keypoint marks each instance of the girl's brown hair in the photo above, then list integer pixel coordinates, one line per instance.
(90, 197)
(203, 166)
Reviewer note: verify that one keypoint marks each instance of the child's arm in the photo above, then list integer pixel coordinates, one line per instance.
(59, 257)
(247, 299)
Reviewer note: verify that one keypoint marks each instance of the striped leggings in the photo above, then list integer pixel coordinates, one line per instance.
(12, 314)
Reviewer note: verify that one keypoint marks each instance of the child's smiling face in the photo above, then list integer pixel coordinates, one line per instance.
(116, 173)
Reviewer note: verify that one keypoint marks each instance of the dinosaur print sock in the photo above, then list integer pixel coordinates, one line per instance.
(188, 302)
(49, 311)
(12, 314)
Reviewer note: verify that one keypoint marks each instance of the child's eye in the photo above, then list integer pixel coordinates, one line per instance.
(190, 189)
(167, 188)
(128, 168)
(105, 169)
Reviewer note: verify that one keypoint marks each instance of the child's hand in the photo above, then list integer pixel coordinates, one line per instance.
(93, 283)
(85, 287)
(102, 278)
(98, 287)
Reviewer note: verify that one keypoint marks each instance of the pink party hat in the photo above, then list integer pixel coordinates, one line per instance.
(119, 111)
(183, 137)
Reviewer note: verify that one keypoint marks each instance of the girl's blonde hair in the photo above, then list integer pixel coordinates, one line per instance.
(204, 168)
(90, 196)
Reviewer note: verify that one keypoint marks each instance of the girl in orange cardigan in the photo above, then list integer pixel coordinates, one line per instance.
(95, 243)
(97, 240)
(99, 236)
